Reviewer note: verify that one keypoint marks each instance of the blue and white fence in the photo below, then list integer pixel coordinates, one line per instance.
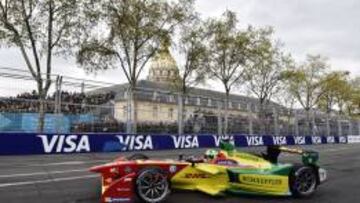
(29, 143)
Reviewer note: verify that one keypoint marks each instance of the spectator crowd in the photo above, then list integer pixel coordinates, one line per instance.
(71, 102)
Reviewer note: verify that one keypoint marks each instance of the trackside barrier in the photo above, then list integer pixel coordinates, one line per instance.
(353, 139)
(30, 143)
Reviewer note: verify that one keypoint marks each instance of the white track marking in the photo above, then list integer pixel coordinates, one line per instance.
(69, 163)
(43, 173)
(4, 185)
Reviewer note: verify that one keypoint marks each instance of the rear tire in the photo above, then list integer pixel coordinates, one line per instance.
(303, 181)
(152, 185)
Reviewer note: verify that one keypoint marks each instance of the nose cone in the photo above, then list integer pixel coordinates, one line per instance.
(97, 169)
(101, 168)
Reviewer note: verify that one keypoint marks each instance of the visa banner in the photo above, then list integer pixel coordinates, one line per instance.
(31, 143)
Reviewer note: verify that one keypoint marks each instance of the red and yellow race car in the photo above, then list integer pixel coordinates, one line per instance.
(215, 173)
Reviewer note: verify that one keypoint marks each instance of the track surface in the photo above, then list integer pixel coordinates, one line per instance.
(64, 178)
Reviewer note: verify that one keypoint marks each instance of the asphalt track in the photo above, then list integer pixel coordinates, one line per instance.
(65, 179)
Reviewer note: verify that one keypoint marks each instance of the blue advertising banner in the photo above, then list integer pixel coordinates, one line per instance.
(30, 143)
(28, 122)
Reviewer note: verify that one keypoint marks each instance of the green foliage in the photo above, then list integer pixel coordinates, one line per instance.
(136, 30)
(40, 29)
(229, 50)
(194, 54)
(353, 102)
(268, 66)
(336, 90)
(306, 81)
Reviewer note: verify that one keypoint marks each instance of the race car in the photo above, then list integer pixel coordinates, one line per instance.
(217, 172)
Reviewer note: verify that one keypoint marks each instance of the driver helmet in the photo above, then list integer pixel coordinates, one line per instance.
(211, 153)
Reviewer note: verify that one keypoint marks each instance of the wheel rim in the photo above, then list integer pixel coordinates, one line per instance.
(152, 186)
(305, 182)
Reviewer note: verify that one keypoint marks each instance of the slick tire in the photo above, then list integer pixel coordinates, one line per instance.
(138, 156)
(152, 185)
(303, 181)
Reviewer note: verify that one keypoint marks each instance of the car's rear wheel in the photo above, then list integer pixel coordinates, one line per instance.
(152, 185)
(303, 181)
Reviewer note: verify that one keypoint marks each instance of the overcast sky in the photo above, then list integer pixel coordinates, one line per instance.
(327, 27)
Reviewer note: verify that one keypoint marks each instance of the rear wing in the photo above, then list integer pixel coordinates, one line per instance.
(309, 157)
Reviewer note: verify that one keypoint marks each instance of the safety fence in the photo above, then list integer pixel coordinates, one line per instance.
(74, 105)
(30, 143)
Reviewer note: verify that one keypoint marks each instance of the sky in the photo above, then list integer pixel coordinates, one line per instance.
(327, 27)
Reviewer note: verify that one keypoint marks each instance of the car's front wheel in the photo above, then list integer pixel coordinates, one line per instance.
(152, 185)
(303, 181)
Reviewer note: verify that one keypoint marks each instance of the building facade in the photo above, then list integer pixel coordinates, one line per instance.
(157, 98)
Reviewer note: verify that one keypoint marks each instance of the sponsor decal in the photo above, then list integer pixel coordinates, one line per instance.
(172, 169)
(218, 138)
(353, 139)
(299, 140)
(254, 140)
(279, 140)
(330, 139)
(342, 139)
(65, 143)
(117, 199)
(316, 139)
(185, 141)
(138, 142)
(260, 180)
(226, 162)
(322, 174)
(196, 175)
(123, 189)
(247, 156)
(127, 169)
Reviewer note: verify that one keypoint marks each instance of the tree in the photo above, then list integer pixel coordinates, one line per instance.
(229, 52)
(40, 29)
(286, 99)
(352, 100)
(193, 51)
(336, 90)
(136, 30)
(265, 70)
(306, 84)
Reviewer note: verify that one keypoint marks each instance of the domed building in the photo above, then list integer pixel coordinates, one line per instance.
(157, 97)
(163, 67)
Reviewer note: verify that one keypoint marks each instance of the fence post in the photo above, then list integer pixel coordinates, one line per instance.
(328, 130)
(313, 121)
(250, 117)
(296, 123)
(339, 127)
(83, 87)
(276, 122)
(219, 118)
(180, 114)
(128, 112)
(350, 132)
(57, 102)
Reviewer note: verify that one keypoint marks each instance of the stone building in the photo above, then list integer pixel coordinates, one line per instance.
(157, 98)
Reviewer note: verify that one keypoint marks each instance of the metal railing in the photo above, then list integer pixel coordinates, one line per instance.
(74, 105)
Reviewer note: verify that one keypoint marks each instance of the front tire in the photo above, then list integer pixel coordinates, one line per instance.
(152, 185)
(303, 181)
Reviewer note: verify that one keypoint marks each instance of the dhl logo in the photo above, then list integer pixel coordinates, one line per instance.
(196, 175)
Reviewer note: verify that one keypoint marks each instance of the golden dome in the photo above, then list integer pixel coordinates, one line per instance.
(163, 67)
